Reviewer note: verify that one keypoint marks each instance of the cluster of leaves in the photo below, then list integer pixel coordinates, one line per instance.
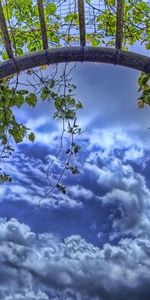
(11, 131)
(23, 25)
(144, 89)
(136, 23)
(24, 28)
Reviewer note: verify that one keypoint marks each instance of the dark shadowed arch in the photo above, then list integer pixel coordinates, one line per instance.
(116, 56)
(72, 54)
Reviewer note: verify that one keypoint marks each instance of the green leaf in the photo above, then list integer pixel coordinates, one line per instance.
(69, 17)
(19, 51)
(31, 99)
(59, 103)
(111, 2)
(31, 137)
(70, 114)
(4, 55)
(147, 46)
(17, 131)
(32, 46)
(79, 105)
(18, 100)
(23, 92)
(45, 93)
(51, 8)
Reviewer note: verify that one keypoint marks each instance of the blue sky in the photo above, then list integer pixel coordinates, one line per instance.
(93, 242)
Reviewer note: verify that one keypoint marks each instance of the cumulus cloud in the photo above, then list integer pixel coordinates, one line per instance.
(133, 154)
(25, 295)
(79, 192)
(44, 267)
(126, 190)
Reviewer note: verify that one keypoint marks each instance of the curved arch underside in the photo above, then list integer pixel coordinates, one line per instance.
(75, 54)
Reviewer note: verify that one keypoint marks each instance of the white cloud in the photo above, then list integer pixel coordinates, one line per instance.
(44, 265)
(133, 154)
(112, 174)
(78, 192)
(35, 123)
(109, 138)
(127, 190)
(26, 295)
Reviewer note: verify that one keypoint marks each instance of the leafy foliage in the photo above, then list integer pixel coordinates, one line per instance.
(144, 88)
(11, 131)
(136, 23)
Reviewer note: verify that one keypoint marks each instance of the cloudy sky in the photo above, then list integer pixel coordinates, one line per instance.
(93, 242)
